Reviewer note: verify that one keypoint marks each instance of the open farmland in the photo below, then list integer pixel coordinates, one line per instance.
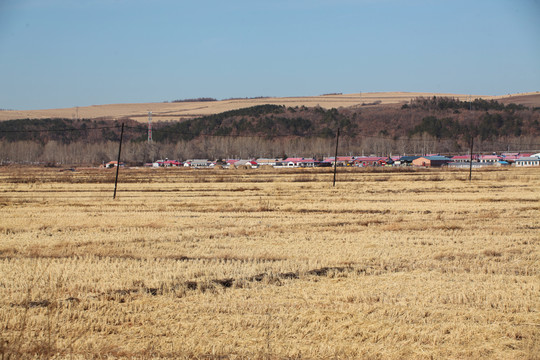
(269, 264)
(190, 109)
(173, 111)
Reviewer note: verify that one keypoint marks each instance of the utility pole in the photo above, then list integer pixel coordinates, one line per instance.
(118, 162)
(335, 158)
(471, 158)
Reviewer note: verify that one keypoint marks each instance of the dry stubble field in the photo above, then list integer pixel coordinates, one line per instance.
(269, 264)
(189, 109)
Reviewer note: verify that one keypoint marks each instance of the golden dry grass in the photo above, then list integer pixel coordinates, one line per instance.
(174, 111)
(269, 264)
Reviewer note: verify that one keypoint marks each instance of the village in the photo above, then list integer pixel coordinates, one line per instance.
(426, 161)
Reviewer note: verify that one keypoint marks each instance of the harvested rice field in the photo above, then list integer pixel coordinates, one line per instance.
(269, 264)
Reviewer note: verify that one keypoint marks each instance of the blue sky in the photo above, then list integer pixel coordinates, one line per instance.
(64, 53)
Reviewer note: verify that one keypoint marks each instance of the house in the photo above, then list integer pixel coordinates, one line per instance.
(112, 164)
(388, 161)
(166, 163)
(405, 160)
(341, 160)
(246, 163)
(431, 161)
(464, 161)
(489, 158)
(528, 161)
(323, 164)
(268, 162)
(512, 157)
(506, 154)
(309, 162)
(463, 158)
(198, 163)
(290, 162)
(296, 162)
(226, 164)
(363, 161)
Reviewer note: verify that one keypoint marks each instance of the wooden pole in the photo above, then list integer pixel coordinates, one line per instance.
(118, 161)
(335, 157)
(470, 160)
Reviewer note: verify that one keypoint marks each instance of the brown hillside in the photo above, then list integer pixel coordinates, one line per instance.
(527, 99)
(174, 111)
(178, 110)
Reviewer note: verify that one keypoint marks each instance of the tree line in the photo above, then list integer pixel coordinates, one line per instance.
(490, 126)
(275, 131)
(448, 103)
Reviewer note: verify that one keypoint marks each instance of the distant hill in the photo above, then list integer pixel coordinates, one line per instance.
(528, 99)
(190, 109)
(422, 125)
(441, 117)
